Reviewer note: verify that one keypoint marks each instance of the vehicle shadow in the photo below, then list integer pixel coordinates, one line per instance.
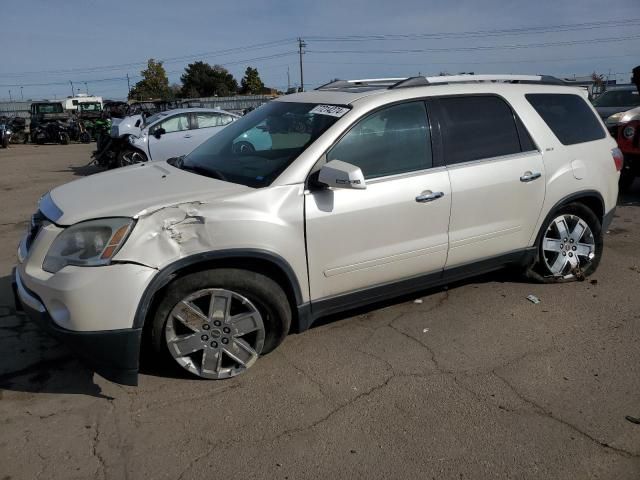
(33, 361)
(83, 170)
(630, 197)
(507, 275)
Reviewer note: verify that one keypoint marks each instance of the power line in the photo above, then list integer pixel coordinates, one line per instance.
(484, 47)
(481, 33)
(166, 60)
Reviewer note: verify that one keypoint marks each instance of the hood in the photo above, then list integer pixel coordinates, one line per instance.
(621, 118)
(126, 192)
(606, 112)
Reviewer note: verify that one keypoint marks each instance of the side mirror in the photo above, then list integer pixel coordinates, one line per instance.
(159, 132)
(339, 174)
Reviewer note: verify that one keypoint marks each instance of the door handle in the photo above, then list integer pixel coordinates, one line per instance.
(429, 196)
(530, 176)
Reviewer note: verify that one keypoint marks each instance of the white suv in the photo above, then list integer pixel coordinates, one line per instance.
(315, 203)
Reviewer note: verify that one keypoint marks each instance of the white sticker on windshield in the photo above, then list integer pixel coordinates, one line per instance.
(332, 110)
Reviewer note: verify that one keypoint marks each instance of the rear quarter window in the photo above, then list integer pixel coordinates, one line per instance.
(568, 116)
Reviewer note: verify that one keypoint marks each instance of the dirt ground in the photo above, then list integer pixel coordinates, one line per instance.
(474, 382)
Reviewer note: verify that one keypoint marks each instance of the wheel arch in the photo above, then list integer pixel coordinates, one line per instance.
(259, 261)
(591, 199)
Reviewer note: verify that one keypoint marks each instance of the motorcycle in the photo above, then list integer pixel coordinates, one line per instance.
(51, 132)
(19, 132)
(78, 131)
(5, 135)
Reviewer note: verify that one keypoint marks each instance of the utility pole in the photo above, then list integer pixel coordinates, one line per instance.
(301, 45)
(10, 99)
(86, 87)
(21, 95)
(73, 94)
(128, 85)
(288, 80)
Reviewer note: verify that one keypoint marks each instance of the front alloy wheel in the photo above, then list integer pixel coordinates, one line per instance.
(215, 333)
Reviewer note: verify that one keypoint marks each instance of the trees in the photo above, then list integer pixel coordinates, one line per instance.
(251, 82)
(202, 80)
(154, 83)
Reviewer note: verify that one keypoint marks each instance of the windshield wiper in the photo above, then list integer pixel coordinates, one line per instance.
(207, 172)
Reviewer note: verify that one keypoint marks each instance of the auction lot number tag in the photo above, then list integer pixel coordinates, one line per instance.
(332, 110)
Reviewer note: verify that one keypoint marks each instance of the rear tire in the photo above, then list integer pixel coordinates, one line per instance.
(85, 137)
(250, 290)
(569, 246)
(64, 139)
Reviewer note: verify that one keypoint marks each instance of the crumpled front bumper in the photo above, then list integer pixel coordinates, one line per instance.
(114, 354)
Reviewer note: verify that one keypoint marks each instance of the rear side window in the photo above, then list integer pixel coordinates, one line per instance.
(568, 116)
(391, 141)
(478, 127)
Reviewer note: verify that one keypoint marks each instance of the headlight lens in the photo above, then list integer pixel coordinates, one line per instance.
(628, 132)
(88, 244)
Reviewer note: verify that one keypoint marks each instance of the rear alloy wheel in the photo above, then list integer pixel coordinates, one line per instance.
(570, 246)
(216, 323)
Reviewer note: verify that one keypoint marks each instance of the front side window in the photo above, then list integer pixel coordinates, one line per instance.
(477, 127)
(176, 123)
(391, 141)
(568, 116)
(256, 148)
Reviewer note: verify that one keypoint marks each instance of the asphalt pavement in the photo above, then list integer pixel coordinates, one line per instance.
(469, 381)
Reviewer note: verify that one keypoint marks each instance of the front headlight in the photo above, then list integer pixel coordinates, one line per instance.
(628, 132)
(88, 244)
(132, 139)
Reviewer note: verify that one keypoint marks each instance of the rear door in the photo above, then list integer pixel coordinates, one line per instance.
(176, 140)
(394, 229)
(497, 177)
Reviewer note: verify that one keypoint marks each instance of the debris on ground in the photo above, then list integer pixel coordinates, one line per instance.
(425, 330)
(417, 300)
(631, 419)
(533, 299)
(594, 282)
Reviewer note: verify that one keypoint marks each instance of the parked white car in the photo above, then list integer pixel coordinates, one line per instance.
(174, 133)
(316, 203)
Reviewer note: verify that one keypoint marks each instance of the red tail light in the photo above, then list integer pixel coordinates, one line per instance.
(618, 158)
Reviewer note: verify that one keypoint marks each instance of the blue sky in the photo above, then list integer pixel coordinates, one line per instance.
(54, 42)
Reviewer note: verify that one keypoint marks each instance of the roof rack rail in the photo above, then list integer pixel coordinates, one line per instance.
(358, 84)
(447, 79)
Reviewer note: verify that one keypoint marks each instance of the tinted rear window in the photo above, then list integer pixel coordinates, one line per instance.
(568, 116)
(478, 127)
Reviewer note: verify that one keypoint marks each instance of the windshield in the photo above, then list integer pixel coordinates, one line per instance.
(153, 118)
(90, 107)
(49, 108)
(255, 149)
(618, 98)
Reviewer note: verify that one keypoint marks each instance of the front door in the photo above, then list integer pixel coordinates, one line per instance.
(176, 140)
(394, 229)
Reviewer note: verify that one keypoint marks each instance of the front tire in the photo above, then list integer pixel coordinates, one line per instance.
(569, 247)
(130, 157)
(216, 323)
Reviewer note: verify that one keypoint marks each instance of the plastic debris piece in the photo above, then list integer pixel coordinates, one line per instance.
(533, 299)
(631, 419)
(417, 300)
(425, 330)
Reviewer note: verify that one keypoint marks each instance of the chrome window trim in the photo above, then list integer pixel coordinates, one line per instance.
(499, 158)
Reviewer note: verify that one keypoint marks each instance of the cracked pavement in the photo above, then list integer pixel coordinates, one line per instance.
(474, 382)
